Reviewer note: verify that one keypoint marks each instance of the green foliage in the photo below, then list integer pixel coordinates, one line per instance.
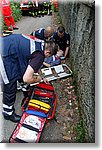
(15, 6)
(80, 133)
(58, 19)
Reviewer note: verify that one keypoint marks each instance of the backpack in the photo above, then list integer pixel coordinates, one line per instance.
(42, 98)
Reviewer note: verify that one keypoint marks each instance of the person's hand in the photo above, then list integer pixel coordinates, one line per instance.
(46, 81)
(37, 78)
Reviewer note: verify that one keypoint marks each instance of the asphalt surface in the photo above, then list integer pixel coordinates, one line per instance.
(26, 25)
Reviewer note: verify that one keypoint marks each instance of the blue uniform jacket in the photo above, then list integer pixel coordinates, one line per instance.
(39, 34)
(62, 42)
(16, 53)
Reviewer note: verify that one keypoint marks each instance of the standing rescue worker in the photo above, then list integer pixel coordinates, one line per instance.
(40, 8)
(7, 15)
(33, 7)
(55, 3)
(21, 57)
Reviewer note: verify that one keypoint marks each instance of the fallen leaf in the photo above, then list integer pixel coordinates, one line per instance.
(67, 138)
(47, 125)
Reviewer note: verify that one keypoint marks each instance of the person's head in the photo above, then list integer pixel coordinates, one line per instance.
(49, 49)
(61, 31)
(49, 31)
(60, 53)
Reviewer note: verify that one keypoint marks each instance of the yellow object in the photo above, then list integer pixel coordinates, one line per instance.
(39, 104)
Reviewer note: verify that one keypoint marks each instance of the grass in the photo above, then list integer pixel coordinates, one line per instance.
(80, 132)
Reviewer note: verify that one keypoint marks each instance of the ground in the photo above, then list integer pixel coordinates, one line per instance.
(61, 129)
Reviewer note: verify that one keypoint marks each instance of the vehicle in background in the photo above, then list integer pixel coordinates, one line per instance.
(36, 7)
(24, 6)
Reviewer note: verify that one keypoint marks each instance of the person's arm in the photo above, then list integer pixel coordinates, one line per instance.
(67, 45)
(66, 52)
(46, 64)
(29, 76)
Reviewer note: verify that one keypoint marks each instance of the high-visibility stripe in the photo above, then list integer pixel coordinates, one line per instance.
(6, 106)
(40, 30)
(53, 58)
(36, 2)
(3, 72)
(8, 113)
(32, 46)
(33, 33)
(32, 43)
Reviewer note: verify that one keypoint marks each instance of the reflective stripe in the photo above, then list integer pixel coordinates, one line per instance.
(3, 72)
(40, 30)
(9, 113)
(33, 33)
(32, 43)
(53, 58)
(6, 106)
(36, 2)
(42, 45)
(32, 46)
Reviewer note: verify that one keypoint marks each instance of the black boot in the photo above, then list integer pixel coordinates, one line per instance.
(14, 117)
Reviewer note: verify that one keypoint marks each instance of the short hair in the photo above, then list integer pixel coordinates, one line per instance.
(50, 46)
(61, 29)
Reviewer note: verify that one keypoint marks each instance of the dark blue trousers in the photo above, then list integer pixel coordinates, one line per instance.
(9, 97)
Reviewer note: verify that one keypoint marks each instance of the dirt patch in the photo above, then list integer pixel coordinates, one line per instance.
(62, 128)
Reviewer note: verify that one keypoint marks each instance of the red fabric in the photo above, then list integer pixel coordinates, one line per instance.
(26, 119)
(43, 86)
(55, 2)
(6, 10)
(43, 94)
(9, 21)
(7, 13)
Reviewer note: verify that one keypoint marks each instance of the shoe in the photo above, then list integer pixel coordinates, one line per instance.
(14, 117)
(15, 28)
(8, 31)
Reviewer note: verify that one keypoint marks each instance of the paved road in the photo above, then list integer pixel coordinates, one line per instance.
(26, 25)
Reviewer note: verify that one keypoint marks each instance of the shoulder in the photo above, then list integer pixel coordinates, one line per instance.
(67, 35)
(41, 30)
